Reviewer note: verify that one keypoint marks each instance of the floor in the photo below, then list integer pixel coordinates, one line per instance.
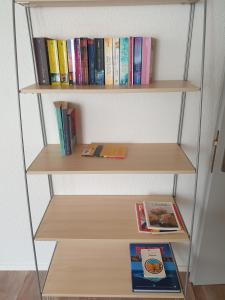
(23, 286)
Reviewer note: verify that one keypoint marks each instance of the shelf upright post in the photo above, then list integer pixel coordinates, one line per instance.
(198, 146)
(39, 96)
(184, 94)
(22, 144)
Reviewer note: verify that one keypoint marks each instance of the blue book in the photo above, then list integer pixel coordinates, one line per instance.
(91, 61)
(145, 284)
(58, 111)
(99, 62)
(137, 60)
(65, 129)
(124, 60)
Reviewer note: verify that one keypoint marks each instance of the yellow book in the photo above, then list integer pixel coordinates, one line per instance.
(63, 62)
(53, 62)
(108, 43)
(114, 151)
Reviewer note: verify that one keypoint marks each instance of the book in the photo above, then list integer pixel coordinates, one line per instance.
(71, 61)
(84, 60)
(58, 110)
(131, 60)
(41, 58)
(116, 61)
(91, 61)
(146, 60)
(161, 215)
(67, 143)
(78, 61)
(152, 263)
(108, 61)
(124, 49)
(140, 283)
(137, 60)
(53, 62)
(63, 62)
(99, 62)
(116, 151)
(71, 134)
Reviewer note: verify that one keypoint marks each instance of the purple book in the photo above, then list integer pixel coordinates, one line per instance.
(78, 61)
(137, 60)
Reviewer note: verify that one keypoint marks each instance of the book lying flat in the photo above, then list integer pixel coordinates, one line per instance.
(161, 215)
(105, 150)
(166, 263)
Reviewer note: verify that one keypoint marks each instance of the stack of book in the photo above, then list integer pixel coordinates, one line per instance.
(94, 61)
(153, 268)
(158, 217)
(66, 120)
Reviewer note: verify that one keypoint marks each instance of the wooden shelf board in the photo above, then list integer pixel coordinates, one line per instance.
(93, 269)
(162, 86)
(49, 3)
(99, 217)
(141, 159)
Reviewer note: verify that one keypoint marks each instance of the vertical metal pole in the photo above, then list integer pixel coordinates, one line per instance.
(22, 143)
(198, 147)
(185, 77)
(39, 98)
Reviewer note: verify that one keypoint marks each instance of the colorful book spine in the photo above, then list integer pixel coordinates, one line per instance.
(99, 62)
(116, 61)
(124, 51)
(74, 124)
(71, 61)
(91, 61)
(137, 60)
(63, 62)
(65, 129)
(131, 60)
(78, 61)
(84, 60)
(71, 135)
(108, 61)
(58, 111)
(146, 60)
(53, 62)
(41, 57)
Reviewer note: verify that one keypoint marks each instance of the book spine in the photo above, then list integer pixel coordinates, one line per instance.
(91, 61)
(108, 61)
(71, 61)
(53, 62)
(131, 59)
(65, 132)
(84, 60)
(60, 129)
(137, 60)
(70, 132)
(124, 49)
(41, 58)
(116, 61)
(146, 56)
(63, 62)
(74, 125)
(99, 62)
(78, 61)
(151, 59)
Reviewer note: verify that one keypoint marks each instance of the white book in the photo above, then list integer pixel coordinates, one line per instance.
(108, 61)
(116, 61)
(152, 263)
(71, 60)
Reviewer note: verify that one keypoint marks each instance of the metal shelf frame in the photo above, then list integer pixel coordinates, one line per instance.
(179, 134)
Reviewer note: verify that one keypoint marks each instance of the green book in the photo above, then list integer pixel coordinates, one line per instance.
(58, 111)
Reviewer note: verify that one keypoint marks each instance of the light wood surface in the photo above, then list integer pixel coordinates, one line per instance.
(99, 217)
(141, 158)
(162, 86)
(98, 268)
(37, 3)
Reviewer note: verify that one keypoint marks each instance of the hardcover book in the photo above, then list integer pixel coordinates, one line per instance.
(99, 62)
(67, 143)
(78, 61)
(116, 61)
(53, 62)
(124, 63)
(41, 57)
(71, 61)
(91, 61)
(137, 60)
(84, 60)
(146, 60)
(63, 62)
(131, 60)
(58, 110)
(108, 61)
(140, 283)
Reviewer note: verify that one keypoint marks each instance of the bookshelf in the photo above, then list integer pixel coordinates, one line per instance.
(111, 222)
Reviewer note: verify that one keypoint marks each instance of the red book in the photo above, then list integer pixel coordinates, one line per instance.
(131, 59)
(78, 61)
(84, 60)
(146, 60)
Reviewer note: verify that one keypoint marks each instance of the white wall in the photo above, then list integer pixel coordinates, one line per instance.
(105, 117)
